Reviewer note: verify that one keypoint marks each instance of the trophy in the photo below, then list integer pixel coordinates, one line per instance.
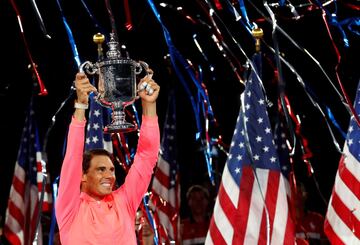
(117, 82)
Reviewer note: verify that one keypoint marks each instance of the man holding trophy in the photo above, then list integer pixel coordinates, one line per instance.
(88, 209)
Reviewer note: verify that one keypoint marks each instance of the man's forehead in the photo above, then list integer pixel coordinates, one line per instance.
(101, 161)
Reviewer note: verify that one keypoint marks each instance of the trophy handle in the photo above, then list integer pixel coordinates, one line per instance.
(140, 66)
(91, 69)
(88, 68)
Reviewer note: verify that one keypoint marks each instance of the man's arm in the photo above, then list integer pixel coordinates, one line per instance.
(139, 176)
(69, 187)
(71, 171)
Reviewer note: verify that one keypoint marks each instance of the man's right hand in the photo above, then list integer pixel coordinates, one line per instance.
(83, 88)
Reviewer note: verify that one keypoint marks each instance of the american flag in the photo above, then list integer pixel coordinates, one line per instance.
(342, 221)
(23, 206)
(165, 199)
(95, 137)
(252, 203)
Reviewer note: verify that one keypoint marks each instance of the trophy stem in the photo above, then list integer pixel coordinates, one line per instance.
(119, 124)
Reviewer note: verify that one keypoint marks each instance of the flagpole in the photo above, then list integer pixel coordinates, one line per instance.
(44, 175)
(258, 35)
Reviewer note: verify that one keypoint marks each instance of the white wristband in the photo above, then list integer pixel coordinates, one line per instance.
(81, 106)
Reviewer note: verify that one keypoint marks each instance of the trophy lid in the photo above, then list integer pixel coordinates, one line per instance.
(113, 52)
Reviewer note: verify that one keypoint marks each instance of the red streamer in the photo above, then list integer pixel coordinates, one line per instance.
(218, 5)
(338, 56)
(43, 90)
(118, 153)
(128, 24)
(306, 152)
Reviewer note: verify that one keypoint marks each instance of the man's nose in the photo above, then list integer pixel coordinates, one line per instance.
(109, 174)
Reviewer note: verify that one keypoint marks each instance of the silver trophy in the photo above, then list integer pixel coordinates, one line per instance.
(117, 83)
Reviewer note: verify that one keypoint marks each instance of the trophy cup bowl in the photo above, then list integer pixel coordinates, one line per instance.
(117, 87)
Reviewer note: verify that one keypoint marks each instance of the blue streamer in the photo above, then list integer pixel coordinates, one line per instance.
(248, 26)
(70, 36)
(176, 56)
(334, 122)
(333, 20)
(244, 14)
(136, 114)
(351, 23)
(173, 55)
(151, 220)
(96, 23)
(53, 217)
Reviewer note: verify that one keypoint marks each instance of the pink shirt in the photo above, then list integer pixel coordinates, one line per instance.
(82, 219)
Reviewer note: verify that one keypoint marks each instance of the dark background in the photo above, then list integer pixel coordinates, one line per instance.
(146, 42)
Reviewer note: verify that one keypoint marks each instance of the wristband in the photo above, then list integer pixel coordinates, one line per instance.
(81, 106)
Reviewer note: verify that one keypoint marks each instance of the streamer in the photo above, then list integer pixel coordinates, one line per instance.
(43, 90)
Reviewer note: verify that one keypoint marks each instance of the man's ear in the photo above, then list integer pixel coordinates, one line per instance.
(83, 178)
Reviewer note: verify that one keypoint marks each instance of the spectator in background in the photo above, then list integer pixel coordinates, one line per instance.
(309, 224)
(195, 227)
(144, 231)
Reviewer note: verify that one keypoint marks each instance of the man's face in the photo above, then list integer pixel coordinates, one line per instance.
(100, 177)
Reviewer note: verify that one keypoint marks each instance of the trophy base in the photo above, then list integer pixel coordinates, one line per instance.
(120, 128)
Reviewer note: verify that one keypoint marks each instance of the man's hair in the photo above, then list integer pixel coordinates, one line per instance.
(197, 188)
(88, 155)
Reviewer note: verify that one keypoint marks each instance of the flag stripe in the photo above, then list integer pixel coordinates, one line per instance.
(230, 187)
(18, 185)
(244, 203)
(227, 207)
(16, 213)
(349, 180)
(163, 165)
(333, 237)
(256, 206)
(13, 233)
(214, 234)
(346, 215)
(162, 178)
(352, 164)
(342, 231)
(289, 231)
(345, 194)
(221, 221)
(282, 211)
(161, 190)
(17, 201)
(270, 200)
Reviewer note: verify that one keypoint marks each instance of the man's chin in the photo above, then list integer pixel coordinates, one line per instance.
(106, 191)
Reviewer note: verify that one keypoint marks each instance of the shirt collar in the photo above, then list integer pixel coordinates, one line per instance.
(86, 197)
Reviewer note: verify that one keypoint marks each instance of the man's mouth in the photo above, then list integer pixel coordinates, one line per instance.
(106, 184)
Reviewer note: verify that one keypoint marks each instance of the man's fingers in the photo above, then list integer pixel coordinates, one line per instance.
(149, 87)
(80, 75)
